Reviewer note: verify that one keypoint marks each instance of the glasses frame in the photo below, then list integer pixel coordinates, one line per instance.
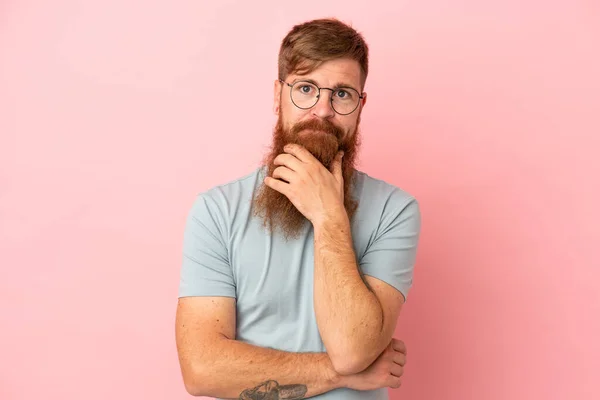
(291, 85)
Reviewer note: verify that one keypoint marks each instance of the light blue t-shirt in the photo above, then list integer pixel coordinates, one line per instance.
(228, 252)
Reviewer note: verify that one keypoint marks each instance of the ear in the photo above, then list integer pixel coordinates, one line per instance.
(364, 99)
(276, 96)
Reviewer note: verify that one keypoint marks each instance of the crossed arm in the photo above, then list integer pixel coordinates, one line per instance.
(355, 322)
(356, 315)
(214, 364)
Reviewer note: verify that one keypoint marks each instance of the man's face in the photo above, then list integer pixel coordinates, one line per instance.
(331, 74)
(321, 130)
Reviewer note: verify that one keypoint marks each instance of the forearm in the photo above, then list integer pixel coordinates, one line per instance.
(230, 368)
(349, 315)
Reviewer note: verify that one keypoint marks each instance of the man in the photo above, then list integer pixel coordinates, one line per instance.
(294, 275)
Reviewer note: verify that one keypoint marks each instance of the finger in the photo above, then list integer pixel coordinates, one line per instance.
(394, 382)
(299, 152)
(284, 173)
(289, 161)
(399, 358)
(399, 345)
(275, 184)
(396, 370)
(336, 165)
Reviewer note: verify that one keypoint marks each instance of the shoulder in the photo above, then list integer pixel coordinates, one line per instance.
(233, 190)
(222, 201)
(379, 194)
(233, 187)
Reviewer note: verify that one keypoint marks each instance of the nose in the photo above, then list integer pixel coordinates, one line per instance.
(323, 108)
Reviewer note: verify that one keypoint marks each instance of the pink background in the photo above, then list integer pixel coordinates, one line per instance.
(115, 114)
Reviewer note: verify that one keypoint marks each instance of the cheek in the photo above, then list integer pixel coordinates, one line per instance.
(350, 133)
(348, 129)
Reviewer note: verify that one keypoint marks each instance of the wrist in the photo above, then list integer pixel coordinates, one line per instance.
(344, 381)
(333, 221)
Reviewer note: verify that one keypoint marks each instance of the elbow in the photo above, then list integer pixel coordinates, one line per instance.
(193, 388)
(351, 363)
(195, 383)
(346, 367)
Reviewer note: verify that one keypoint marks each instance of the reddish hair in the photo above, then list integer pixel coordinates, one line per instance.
(311, 43)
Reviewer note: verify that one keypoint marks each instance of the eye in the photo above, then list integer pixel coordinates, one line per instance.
(345, 94)
(305, 88)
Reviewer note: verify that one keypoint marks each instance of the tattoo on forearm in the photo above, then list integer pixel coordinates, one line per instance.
(271, 390)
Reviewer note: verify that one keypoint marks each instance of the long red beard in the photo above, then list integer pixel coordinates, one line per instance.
(325, 140)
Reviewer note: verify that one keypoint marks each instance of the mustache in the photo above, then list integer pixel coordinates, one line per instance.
(317, 125)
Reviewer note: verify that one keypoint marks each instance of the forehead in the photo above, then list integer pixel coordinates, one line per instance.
(333, 73)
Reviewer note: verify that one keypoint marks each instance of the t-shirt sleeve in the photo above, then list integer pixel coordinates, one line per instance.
(205, 270)
(391, 255)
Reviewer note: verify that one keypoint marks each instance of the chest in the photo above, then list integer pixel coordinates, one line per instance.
(268, 269)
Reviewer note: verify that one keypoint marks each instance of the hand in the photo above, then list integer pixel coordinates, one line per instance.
(385, 371)
(313, 189)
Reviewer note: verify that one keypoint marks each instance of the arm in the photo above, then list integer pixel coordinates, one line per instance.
(363, 309)
(214, 364)
(355, 322)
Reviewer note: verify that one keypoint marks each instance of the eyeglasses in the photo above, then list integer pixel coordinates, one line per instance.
(305, 94)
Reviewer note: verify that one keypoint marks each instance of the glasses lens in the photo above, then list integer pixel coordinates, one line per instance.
(345, 100)
(304, 94)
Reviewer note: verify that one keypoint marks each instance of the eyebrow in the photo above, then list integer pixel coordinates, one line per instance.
(338, 85)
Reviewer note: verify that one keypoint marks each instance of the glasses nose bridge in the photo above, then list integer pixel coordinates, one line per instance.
(330, 102)
(324, 88)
